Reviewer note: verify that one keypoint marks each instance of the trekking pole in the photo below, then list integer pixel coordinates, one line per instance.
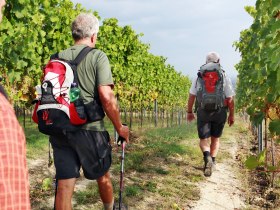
(121, 177)
(122, 141)
(55, 193)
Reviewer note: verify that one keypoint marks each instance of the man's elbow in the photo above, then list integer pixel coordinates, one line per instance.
(230, 102)
(230, 99)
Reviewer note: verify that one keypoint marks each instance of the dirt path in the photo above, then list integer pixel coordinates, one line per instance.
(223, 190)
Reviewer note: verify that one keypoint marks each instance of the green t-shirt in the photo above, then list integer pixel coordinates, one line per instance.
(93, 71)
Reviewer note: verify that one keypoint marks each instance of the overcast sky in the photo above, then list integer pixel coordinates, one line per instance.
(183, 31)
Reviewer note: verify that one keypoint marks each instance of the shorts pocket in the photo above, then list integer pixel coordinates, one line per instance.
(103, 145)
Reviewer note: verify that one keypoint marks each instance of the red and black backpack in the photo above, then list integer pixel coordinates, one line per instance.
(210, 87)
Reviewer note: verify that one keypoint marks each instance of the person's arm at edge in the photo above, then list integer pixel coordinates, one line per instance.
(230, 102)
(230, 93)
(110, 106)
(189, 108)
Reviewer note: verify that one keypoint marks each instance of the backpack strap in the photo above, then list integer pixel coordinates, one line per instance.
(81, 55)
(54, 56)
(198, 76)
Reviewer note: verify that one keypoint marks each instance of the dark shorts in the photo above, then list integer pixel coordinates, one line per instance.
(211, 123)
(90, 150)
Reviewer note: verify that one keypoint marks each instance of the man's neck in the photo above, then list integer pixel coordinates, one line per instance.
(84, 42)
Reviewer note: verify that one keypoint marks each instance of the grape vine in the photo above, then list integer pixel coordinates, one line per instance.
(32, 30)
(258, 88)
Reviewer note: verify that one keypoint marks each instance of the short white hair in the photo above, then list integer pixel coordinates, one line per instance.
(212, 57)
(85, 25)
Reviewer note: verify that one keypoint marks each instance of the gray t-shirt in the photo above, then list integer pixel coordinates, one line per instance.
(93, 71)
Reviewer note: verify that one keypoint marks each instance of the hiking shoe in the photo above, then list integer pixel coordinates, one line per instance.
(208, 168)
(214, 166)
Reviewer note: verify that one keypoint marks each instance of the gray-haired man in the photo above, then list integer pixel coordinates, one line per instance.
(210, 124)
(89, 147)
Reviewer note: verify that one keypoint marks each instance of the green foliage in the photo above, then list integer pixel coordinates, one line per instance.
(132, 191)
(258, 87)
(167, 144)
(89, 195)
(253, 162)
(274, 127)
(30, 32)
(37, 143)
(151, 186)
(33, 30)
(47, 184)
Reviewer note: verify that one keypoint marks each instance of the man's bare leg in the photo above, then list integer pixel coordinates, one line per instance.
(204, 145)
(106, 191)
(64, 194)
(214, 147)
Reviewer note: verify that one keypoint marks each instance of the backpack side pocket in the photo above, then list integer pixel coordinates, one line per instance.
(94, 111)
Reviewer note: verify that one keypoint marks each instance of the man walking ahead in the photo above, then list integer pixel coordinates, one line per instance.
(214, 95)
(89, 147)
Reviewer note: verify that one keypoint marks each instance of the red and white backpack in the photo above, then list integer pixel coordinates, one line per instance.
(54, 113)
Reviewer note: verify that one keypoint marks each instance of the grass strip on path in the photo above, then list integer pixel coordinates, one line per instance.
(162, 167)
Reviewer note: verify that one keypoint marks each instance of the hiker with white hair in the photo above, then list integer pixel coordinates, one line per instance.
(213, 94)
(89, 147)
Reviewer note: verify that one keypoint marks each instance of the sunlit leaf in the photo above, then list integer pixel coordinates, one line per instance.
(251, 162)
